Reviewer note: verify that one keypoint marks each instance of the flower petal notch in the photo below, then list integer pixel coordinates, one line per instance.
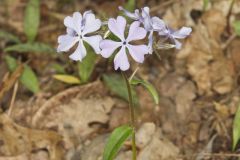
(78, 27)
(137, 52)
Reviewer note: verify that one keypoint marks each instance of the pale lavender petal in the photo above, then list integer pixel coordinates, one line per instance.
(134, 16)
(91, 24)
(94, 42)
(178, 45)
(182, 33)
(121, 60)
(158, 24)
(71, 32)
(150, 43)
(86, 13)
(66, 42)
(108, 47)
(137, 52)
(79, 53)
(68, 22)
(117, 26)
(74, 22)
(136, 32)
(146, 10)
(77, 20)
(146, 19)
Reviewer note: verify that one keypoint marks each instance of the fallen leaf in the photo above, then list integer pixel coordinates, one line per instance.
(16, 140)
(73, 112)
(159, 148)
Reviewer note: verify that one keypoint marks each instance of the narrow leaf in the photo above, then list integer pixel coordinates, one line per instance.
(118, 86)
(236, 129)
(67, 79)
(28, 77)
(151, 89)
(11, 63)
(32, 19)
(236, 26)
(115, 142)
(9, 36)
(30, 47)
(85, 68)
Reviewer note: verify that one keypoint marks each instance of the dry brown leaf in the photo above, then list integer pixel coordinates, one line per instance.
(19, 157)
(74, 112)
(206, 61)
(184, 99)
(17, 140)
(159, 148)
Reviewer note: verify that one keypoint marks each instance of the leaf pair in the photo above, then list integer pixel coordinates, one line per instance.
(117, 85)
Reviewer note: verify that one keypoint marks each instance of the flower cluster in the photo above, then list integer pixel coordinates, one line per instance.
(81, 29)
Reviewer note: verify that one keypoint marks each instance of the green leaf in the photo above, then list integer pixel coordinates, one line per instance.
(30, 47)
(236, 129)
(149, 87)
(67, 79)
(130, 5)
(205, 4)
(236, 26)
(11, 63)
(9, 36)
(32, 19)
(85, 68)
(118, 86)
(115, 142)
(28, 77)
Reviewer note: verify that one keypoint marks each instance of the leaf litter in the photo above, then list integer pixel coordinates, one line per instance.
(198, 88)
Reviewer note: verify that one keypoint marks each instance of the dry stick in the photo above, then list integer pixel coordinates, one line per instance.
(13, 99)
(132, 115)
(230, 39)
(134, 73)
(213, 155)
(228, 17)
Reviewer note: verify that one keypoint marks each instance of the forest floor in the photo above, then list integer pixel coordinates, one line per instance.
(199, 88)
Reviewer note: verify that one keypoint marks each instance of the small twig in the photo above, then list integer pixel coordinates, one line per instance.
(13, 99)
(229, 16)
(222, 154)
(133, 74)
(212, 155)
(230, 39)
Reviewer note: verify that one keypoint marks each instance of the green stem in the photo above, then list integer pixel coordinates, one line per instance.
(132, 115)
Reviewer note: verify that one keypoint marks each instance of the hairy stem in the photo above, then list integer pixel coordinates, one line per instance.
(132, 115)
